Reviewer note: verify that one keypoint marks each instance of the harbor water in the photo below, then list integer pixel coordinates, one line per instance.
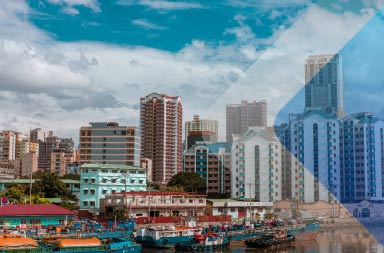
(346, 239)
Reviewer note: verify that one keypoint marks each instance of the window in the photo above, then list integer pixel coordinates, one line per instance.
(85, 203)
(85, 191)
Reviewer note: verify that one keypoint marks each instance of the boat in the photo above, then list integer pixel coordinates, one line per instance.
(74, 245)
(167, 236)
(270, 238)
(205, 242)
(304, 232)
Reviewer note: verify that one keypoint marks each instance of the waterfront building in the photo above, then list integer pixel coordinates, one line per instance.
(239, 209)
(212, 161)
(24, 216)
(161, 134)
(324, 87)
(156, 204)
(239, 117)
(256, 170)
(200, 130)
(98, 180)
(315, 163)
(362, 158)
(109, 143)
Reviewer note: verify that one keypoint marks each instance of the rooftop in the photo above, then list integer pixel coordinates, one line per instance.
(160, 193)
(33, 210)
(110, 166)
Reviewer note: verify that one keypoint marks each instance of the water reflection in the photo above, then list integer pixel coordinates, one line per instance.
(348, 239)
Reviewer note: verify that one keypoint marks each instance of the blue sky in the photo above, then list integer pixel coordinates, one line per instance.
(65, 63)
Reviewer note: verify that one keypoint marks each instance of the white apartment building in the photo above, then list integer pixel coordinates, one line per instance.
(256, 169)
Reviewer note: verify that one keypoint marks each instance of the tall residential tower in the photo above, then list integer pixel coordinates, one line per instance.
(161, 134)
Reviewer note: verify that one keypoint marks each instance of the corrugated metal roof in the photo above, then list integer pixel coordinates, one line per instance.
(34, 210)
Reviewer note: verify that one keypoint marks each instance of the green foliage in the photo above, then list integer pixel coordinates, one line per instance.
(120, 213)
(175, 189)
(189, 181)
(71, 176)
(50, 186)
(154, 186)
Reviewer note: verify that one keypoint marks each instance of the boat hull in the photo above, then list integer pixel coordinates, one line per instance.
(164, 242)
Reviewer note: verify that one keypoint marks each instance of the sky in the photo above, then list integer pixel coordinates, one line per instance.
(64, 63)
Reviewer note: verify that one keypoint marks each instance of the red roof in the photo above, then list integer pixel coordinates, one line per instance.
(33, 210)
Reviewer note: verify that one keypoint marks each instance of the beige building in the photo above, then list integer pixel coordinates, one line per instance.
(155, 204)
(199, 130)
(109, 143)
(147, 164)
(28, 164)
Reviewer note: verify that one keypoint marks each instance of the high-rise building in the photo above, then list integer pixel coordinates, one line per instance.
(315, 163)
(37, 135)
(109, 143)
(205, 130)
(213, 163)
(362, 158)
(256, 165)
(239, 117)
(45, 149)
(161, 134)
(324, 87)
(8, 145)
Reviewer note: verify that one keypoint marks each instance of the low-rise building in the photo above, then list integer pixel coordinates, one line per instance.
(239, 209)
(34, 215)
(99, 180)
(156, 204)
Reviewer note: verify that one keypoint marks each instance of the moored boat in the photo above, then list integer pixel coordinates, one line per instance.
(304, 232)
(74, 245)
(204, 242)
(270, 238)
(167, 236)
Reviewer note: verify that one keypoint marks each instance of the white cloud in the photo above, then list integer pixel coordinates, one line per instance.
(147, 24)
(278, 74)
(70, 11)
(91, 4)
(162, 4)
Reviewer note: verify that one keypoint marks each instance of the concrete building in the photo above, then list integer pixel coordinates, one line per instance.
(29, 164)
(109, 143)
(200, 130)
(256, 166)
(156, 204)
(324, 87)
(213, 163)
(239, 117)
(239, 209)
(161, 134)
(38, 134)
(99, 180)
(58, 162)
(45, 149)
(147, 165)
(8, 145)
(362, 158)
(315, 163)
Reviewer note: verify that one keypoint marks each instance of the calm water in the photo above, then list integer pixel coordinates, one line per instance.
(345, 240)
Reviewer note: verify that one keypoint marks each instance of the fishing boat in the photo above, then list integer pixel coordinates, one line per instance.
(270, 238)
(205, 242)
(76, 245)
(167, 236)
(304, 232)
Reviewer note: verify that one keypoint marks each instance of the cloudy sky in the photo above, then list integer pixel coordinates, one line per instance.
(64, 63)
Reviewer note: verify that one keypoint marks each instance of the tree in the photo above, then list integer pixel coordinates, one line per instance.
(71, 176)
(50, 186)
(189, 181)
(175, 189)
